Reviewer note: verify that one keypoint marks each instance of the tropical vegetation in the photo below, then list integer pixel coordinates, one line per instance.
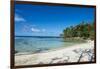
(83, 30)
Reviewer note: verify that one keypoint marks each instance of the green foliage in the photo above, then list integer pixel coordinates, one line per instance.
(83, 30)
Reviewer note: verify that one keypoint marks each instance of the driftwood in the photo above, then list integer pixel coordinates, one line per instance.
(82, 53)
(80, 57)
(89, 53)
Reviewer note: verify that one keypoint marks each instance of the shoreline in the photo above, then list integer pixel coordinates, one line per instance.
(49, 50)
(60, 55)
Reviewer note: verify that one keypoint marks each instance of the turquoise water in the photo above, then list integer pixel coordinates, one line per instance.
(37, 44)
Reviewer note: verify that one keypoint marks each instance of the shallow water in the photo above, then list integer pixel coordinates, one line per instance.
(37, 44)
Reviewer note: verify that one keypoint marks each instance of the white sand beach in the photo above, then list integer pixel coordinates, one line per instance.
(76, 53)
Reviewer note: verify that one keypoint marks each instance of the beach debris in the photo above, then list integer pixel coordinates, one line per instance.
(86, 55)
(78, 51)
(60, 60)
(53, 59)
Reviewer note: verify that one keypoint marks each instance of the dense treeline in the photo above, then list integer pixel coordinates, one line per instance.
(83, 30)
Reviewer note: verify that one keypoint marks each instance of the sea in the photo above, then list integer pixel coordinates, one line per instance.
(37, 44)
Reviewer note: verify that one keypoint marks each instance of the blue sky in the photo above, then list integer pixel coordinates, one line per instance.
(42, 20)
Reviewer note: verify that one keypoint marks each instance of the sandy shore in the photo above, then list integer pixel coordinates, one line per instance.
(76, 53)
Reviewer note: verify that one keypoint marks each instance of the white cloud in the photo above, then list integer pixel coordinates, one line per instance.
(19, 18)
(35, 30)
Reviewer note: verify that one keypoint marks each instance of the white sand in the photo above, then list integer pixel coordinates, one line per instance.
(63, 55)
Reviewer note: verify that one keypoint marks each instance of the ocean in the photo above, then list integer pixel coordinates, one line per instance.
(31, 44)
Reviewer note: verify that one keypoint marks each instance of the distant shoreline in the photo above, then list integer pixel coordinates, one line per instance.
(41, 36)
